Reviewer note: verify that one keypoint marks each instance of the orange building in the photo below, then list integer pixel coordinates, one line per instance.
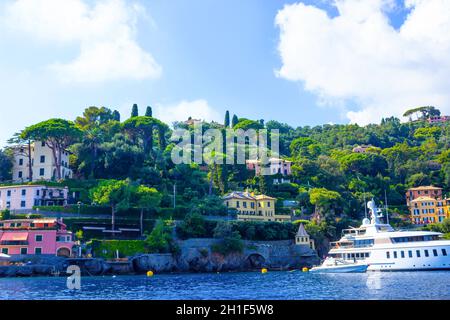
(423, 191)
(426, 210)
(426, 205)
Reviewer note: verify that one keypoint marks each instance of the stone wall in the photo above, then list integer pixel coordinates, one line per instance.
(195, 255)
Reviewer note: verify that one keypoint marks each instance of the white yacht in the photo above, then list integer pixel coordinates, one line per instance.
(382, 248)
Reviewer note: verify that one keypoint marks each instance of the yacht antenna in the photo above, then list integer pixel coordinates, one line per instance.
(386, 207)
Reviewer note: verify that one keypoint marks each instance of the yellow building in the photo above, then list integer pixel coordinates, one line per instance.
(252, 207)
(426, 210)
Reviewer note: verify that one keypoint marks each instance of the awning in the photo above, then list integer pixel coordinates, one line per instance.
(15, 236)
(36, 221)
(4, 256)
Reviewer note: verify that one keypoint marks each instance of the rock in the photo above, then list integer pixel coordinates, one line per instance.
(154, 262)
(44, 270)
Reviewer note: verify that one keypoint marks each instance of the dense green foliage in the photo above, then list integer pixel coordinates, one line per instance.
(160, 239)
(5, 166)
(127, 166)
(108, 248)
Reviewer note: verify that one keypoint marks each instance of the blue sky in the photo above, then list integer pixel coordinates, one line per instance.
(204, 56)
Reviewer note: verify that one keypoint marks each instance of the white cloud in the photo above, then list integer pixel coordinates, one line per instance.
(197, 109)
(359, 58)
(105, 34)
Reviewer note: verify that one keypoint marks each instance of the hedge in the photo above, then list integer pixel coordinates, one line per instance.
(107, 248)
(84, 209)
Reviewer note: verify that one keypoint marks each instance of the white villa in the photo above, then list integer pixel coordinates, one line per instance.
(42, 163)
(276, 166)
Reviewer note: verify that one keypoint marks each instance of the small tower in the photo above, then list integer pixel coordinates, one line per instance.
(302, 238)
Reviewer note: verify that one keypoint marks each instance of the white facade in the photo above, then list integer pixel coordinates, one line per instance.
(26, 196)
(42, 162)
(275, 166)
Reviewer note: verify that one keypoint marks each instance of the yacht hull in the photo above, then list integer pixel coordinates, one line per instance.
(341, 269)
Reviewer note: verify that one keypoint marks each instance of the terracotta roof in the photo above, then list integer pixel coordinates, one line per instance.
(425, 188)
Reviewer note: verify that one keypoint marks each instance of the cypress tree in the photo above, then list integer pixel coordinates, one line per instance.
(234, 121)
(149, 112)
(116, 115)
(227, 119)
(135, 111)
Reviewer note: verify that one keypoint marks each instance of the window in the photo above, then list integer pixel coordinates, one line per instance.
(42, 159)
(444, 252)
(39, 191)
(426, 253)
(24, 192)
(410, 254)
(395, 254)
(38, 238)
(388, 255)
(244, 204)
(20, 162)
(418, 253)
(23, 204)
(435, 253)
(41, 171)
(23, 250)
(5, 250)
(268, 204)
(8, 193)
(43, 143)
(402, 254)
(237, 204)
(20, 174)
(37, 250)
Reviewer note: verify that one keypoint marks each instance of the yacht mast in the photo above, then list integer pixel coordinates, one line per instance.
(365, 202)
(386, 206)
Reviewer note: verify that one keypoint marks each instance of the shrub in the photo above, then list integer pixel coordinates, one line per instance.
(231, 239)
(160, 239)
(5, 215)
(107, 248)
(195, 226)
(26, 216)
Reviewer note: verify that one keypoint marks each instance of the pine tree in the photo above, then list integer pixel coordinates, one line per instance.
(234, 121)
(135, 111)
(149, 112)
(227, 119)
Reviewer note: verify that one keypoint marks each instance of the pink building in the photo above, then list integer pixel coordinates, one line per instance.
(24, 197)
(276, 166)
(438, 119)
(35, 236)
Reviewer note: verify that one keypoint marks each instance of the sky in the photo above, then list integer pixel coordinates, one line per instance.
(300, 62)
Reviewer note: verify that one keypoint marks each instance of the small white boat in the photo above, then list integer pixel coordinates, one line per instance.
(4, 256)
(331, 265)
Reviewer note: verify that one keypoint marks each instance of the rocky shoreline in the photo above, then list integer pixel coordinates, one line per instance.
(195, 256)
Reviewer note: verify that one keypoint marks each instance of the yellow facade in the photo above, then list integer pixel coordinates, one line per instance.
(424, 210)
(254, 208)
